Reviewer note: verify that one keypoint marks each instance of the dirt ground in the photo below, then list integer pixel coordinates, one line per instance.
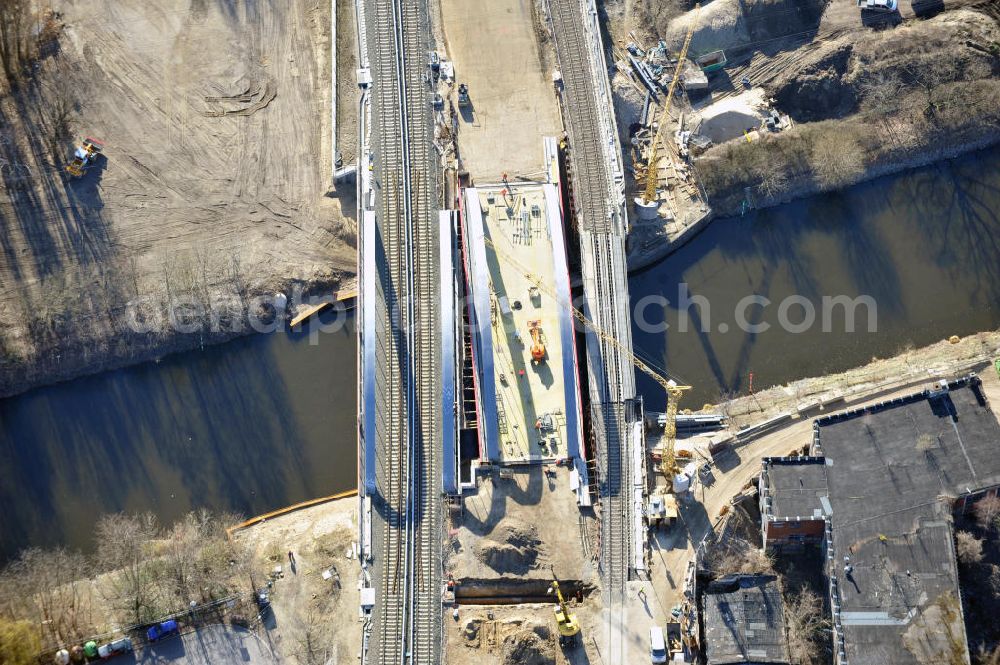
(215, 179)
(520, 527)
(521, 635)
(497, 53)
(311, 615)
(347, 94)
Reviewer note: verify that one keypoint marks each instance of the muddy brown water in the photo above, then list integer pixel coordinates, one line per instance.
(264, 422)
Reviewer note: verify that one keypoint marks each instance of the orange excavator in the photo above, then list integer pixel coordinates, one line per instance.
(537, 342)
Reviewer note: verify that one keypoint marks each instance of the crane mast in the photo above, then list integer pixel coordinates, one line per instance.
(651, 164)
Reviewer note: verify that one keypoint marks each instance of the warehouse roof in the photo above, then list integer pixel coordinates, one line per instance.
(892, 470)
(744, 621)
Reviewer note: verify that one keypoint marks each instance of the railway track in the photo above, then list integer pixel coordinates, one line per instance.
(406, 625)
(600, 218)
(581, 116)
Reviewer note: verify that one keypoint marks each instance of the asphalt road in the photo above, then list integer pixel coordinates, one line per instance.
(212, 645)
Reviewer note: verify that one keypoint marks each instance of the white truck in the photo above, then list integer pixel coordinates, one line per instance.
(878, 5)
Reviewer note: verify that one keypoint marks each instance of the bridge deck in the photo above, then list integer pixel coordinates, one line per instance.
(536, 412)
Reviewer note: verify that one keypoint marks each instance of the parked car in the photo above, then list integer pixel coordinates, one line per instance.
(161, 630)
(124, 645)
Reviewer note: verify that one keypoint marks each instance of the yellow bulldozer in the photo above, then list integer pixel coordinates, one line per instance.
(84, 156)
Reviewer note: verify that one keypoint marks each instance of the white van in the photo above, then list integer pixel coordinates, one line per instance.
(878, 5)
(657, 647)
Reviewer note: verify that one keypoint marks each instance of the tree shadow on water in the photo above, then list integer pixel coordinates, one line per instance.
(214, 430)
(967, 235)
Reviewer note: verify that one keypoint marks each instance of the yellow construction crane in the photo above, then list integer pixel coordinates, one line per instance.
(668, 461)
(674, 391)
(652, 172)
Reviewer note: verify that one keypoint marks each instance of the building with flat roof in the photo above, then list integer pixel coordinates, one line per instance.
(882, 483)
(795, 498)
(743, 620)
(521, 321)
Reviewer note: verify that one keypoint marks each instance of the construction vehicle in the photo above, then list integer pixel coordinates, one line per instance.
(537, 342)
(463, 95)
(566, 622)
(84, 156)
(661, 509)
(652, 164)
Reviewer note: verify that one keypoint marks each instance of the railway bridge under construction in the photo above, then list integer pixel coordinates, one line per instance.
(417, 364)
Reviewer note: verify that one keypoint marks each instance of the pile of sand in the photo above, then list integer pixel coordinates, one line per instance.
(514, 548)
(727, 119)
(718, 27)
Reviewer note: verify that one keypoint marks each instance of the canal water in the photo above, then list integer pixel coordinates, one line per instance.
(924, 246)
(264, 422)
(248, 426)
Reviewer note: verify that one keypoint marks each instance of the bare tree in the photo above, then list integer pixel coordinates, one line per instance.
(124, 549)
(15, 39)
(968, 548)
(238, 277)
(987, 512)
(58, 104)
(987, 656)
(19, 642)
(805, 623)
(314, 646)
(736, 555)
(927, 75)
(49, 587)
(183, 543)
(773, 182)
(882, 92)
(837, 158)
